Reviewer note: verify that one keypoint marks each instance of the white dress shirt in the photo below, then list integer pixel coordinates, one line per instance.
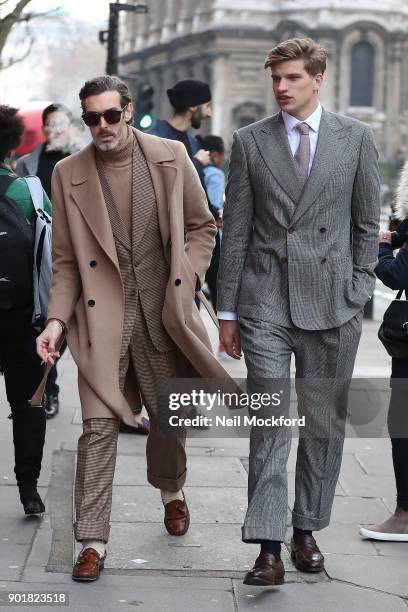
(313, 121)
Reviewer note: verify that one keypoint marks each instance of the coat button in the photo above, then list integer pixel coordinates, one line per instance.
(93, 263)
(322, 230)
(177, 282)
(91, 302)
(89, 343)
(291, 230)
(323, 260)
(284, 259)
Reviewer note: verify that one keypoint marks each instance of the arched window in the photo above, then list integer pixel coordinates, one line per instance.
(362, 74)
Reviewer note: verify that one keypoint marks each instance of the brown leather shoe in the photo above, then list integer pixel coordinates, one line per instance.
(267, 571)
(177, 517)
(306, 554)
(88, 565)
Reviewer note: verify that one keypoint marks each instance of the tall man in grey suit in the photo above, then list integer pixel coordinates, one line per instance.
(298, 254)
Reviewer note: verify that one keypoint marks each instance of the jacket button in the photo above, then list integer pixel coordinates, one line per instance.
(322, 230)
(284, 259)
(93, 263)
(89, 343)
(91, 302)
(291, 230)
(177, 282)
(323, 260)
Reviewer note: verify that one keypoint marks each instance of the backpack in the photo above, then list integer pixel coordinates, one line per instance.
(16, 258)
(42, 271)
(25, 255)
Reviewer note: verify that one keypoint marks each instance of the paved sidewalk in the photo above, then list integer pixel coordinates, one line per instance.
(148, 569)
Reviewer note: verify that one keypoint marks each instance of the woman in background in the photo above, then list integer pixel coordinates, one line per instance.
(393, 271)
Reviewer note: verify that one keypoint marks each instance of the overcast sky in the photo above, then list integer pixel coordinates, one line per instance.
(97, 10)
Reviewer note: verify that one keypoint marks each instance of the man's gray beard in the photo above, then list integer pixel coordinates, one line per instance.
(108, 146)
(116, 142)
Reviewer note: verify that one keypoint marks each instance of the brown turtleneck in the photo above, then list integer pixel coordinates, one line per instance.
(117, 166)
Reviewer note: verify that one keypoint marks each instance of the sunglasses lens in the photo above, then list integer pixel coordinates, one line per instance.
(91, 119)
(112, 115)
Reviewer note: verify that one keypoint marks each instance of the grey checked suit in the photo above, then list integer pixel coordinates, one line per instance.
(297, 266)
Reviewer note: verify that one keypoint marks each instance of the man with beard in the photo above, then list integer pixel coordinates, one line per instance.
(191, 101)
(132, 239)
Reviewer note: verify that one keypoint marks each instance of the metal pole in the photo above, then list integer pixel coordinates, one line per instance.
(112, 59)
(113, 31)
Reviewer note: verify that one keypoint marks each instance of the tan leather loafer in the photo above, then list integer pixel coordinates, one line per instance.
(267, 571)
(306, 554)
(88, 565)
(177, 517)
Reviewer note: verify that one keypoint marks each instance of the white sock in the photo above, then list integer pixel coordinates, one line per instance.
(98, 545)
(168, 496)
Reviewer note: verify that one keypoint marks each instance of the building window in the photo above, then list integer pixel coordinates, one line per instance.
(362, 74)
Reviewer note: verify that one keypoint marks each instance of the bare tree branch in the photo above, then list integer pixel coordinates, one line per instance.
(7, 22)
(30, 16)
(14, 60)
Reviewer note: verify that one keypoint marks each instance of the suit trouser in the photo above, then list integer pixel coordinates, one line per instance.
(324, 366)
(166, 457)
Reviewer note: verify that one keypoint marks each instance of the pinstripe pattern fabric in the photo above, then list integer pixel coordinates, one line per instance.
(300, 256)
(94, 476)
(328, 355)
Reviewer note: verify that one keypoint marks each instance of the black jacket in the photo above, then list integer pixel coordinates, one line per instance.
(392, 271)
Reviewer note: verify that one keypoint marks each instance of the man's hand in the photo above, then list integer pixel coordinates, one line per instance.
(203, 157)
(230, 337)
(47, 341)
(385, 236)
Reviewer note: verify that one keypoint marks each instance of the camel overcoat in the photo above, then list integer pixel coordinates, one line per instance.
(87, 292)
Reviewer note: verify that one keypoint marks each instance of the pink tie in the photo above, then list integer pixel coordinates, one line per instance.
(302, 155)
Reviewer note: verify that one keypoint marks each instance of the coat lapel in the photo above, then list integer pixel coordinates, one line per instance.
(273, 145)
(87, 195)
(332, 141)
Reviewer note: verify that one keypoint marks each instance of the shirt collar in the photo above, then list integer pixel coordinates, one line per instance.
(313, 121)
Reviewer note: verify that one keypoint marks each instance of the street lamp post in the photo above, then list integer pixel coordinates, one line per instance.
(112, 34)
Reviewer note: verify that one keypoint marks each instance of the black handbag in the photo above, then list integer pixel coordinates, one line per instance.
(393, 332)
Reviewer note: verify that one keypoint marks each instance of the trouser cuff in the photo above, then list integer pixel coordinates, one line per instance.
(89, 530)
(309, 523)
(254, 533)
(167, 484)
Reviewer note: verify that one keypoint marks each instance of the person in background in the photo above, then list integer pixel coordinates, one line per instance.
(57, 127)
(214, 179)
(393, 272)
(191, 102)
(18, 360)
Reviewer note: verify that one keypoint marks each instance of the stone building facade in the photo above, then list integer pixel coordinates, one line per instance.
(224, 42)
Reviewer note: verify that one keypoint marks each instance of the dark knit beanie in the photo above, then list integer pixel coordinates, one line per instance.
(189, 93)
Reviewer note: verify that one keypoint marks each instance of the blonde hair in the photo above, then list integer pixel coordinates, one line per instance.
(313, 55)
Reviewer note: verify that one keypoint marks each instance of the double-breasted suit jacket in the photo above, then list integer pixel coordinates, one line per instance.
(87, 293)
(295, 255)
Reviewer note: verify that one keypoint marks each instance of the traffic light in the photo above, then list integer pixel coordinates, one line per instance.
(144, 106)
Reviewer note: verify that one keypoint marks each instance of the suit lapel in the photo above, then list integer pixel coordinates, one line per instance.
(87, 195)
(332, 141)
(273, 145)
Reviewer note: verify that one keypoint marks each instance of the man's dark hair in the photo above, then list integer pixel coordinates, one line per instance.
(211, 143)
(11, 130)
(55, 107)
(99, 85)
